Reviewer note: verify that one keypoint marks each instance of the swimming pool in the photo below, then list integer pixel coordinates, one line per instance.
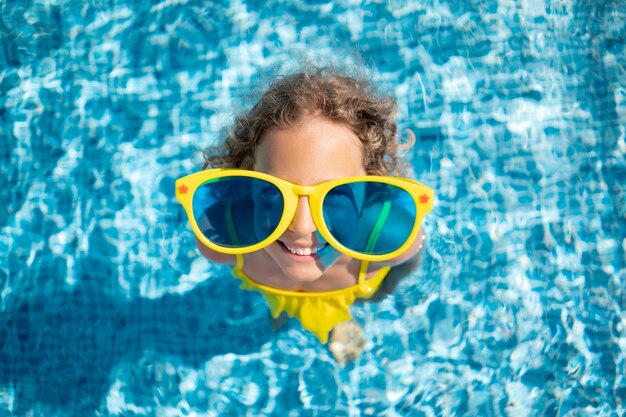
(518, 308)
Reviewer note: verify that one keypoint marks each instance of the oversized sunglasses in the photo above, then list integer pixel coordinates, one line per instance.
(236, 211)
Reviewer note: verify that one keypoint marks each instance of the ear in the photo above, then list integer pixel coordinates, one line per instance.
(215, 256)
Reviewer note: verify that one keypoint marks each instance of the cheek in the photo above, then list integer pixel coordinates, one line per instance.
(274, 251)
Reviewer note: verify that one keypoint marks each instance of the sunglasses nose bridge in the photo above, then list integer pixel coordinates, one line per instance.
(306, 190)
(302, 221)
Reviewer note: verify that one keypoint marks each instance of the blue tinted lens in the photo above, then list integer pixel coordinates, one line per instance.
(237, 211)
(369, 217)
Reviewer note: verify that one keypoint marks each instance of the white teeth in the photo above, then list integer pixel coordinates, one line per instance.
(303, 251)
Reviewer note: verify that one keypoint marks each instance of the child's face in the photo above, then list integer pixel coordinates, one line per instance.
(315, 151)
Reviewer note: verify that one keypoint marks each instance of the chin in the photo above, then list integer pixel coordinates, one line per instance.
(302, 274)
(295, 271)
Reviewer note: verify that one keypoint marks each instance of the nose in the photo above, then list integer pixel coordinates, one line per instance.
(302, 222)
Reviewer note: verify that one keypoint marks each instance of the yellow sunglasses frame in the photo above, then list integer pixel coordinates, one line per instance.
(186, 186)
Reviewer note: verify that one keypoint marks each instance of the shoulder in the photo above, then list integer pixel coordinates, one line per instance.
(411, 256)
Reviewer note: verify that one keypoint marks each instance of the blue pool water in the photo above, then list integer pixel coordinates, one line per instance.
(519, 305)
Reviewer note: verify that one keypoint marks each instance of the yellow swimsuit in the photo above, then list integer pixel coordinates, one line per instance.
(318, 312)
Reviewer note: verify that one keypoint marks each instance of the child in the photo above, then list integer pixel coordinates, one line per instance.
(310, 251)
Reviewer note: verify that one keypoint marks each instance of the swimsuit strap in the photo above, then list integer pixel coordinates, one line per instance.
(371, 241)
(239, 263)
(363, 272)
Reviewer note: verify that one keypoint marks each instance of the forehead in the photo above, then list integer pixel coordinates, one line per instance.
(314, 151)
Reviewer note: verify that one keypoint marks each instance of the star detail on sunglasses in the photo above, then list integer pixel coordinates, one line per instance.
(424, 198)
(183, 189)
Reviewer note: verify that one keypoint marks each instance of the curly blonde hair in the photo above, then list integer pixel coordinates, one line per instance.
(321, 93)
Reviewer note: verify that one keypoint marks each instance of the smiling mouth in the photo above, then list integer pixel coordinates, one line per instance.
(303, 251)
